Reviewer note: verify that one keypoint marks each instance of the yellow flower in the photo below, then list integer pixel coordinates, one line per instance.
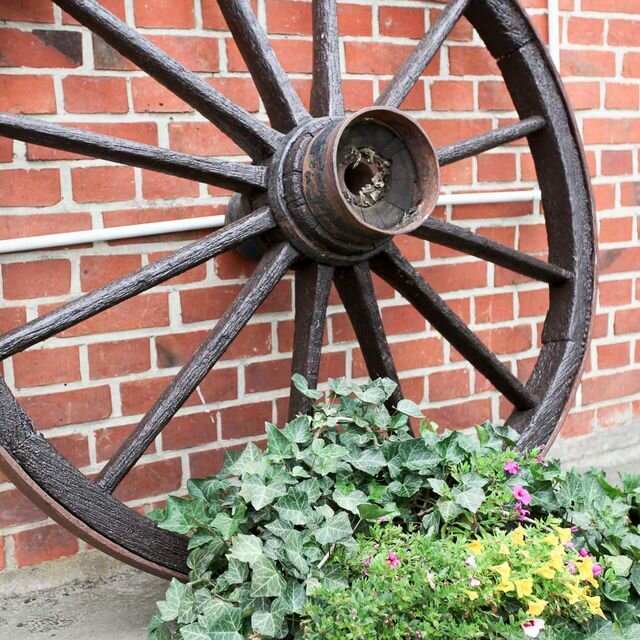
(546, 572)
(585, 570)
(556, 557)
(593, 602)
(551, 539)
(564, 534)
(524, 587)
(536, 607)
(506, 586)
(575, 591)
(517, 535)
(475, 547)
(472, 595)
(503, 549)
(503, 570)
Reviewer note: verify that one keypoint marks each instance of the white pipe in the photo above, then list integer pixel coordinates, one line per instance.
(52, 241)
(553, 17)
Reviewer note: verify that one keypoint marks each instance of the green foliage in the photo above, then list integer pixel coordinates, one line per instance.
(265, 532)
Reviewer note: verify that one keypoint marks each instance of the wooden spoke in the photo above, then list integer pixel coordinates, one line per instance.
(326, 91)
(402, 276)
(496, 138)
(120, 290)
(455, 237)
(282, 103)
(268, 273)
(258, 140)
(228, 175)
(409, 73)
(313, 285)
(358, 296)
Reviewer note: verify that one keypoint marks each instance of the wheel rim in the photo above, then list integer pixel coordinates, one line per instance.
(335, 229)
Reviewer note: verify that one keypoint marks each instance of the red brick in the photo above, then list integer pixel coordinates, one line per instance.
(578, 424)
(24, 226)
(503, 340)
(103, 184)
(612, 293)
(589, 31)
(6, 150)
(611, 386)
(121, 358)
(26, 10)
(533, 303)
(151, 479)
(417, 354)
(583, 95)
(493, 96)
(476, 61)
(619, 260)
(201, 138)
(287, 17)
(355, 20)
(402, 22)
(158, 186)
(496, 307)
(29, 188)
(45, 543)
(212, 16)
(465, 275)
(627, 321)
(3, 561)
(267, 376)
(452, 95)
(496, 167)
(616, 163)
(96, 271)
(77, 406)
(11, 317)
(38, 279)
(17, 509)
(622, 96)
(46, 366)
(402, 320)
(27, 94)
(449, 130)
(460, 415)
(248, 420)
(623, 33)
(378, 57)
(630, 68)
(114, 6)
(108, 441)
(447, 385)
(40, 48)
(204, 464)
(615, 416)
(586, 62)
(167, 14)
(614, 356)
(85, 94)
(615, 230)
(192, 430)
(621, 6)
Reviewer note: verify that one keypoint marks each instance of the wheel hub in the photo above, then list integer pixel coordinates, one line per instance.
(341, 189)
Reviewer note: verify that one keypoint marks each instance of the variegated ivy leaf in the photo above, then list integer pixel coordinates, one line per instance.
(369, 461)
(266, 582)
(299, 430)
(246, 548)
(417, 456)
(293, 546)
(259, 494)
(327, 459)
(294, 507)
(300, 383)
(219, 621)
(294, 598)
(470, 498)
(409, 408)
(178, 515)
(279, 528)
(178, 603)
(197, 632)
(250, 462)
(264, 623)
(279, 446)
(335, 529)
(350, 501)
(439, 486)
(158, 630)
(225, 525)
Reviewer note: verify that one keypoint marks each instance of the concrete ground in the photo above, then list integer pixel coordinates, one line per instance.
(92, 597)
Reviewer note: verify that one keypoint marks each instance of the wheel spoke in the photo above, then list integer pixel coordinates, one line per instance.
(268, 273)
(228, 175)
(496, 138)
(313, 285)
(402, 276)
(258, 140)
(326, 91)
(120, 290)
(455, 237)
(282, 103)
(358, 296)
(405, 79)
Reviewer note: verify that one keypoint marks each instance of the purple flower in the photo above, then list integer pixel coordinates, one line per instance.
(521, 494)
(511, 467)
(521, 513)
(583, 552)
(539, 458)
(383, 520)
(574, 529)
(393, 561)
(367, 561)
(572, 568)
(570, 545)
(597, 570)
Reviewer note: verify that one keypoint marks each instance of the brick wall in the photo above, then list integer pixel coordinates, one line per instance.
(86, 388)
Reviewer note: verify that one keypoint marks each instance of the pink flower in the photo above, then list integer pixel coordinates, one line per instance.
(570, 545)
(521, 494)
(393, 561)
(367, 561)
(539, 459)
(521, 513)
(383, 520)
(511, 467)
(474, 582)
(533, 627)
(574, 529)
(597, 570)
(471, 562)
(583, 552)
(572, 568)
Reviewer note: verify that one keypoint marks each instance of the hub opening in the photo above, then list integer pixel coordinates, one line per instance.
(357, 177)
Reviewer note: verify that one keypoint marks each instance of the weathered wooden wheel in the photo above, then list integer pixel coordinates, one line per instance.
(325, 195)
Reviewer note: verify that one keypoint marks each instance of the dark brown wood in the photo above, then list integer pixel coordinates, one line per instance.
(409, 73)
(355, 286)
(313, 285)
(486, 141)
(404, 278)
(228, 175)
(268, 273)
(258, 140)
(120, 290)
(283, 105)
(326, 90)
(455, 237)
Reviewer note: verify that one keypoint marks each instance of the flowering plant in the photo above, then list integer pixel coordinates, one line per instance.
(278, 531)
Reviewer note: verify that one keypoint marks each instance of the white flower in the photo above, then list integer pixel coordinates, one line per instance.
(532, 627)
(474, 582)
(471, 562)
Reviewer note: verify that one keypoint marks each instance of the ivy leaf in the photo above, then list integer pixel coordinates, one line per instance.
(278, 443)
(299, 430)
(225, 525)
(178, 600)
(370, 461)
(634, 578)
(301, 384)
(349, 502)
(409, 408)
(372, 511)
(265, 623)
(177, 516)
(439, 486)
(250, 462)
(294, 598)
(266, 582)
(221, 620)
(371, 395)
(335, 529)
(236, 572)
(246, 548)
(471, 498)
(449, 510)
(294, 507)
(340, 386)
(197, 632)
(328, 459)
(158, 630)
(259, 494)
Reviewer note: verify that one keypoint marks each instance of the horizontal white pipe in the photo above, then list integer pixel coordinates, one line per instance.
(52, 241)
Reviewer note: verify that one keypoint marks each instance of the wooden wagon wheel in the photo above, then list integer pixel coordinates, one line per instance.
(326, 194)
